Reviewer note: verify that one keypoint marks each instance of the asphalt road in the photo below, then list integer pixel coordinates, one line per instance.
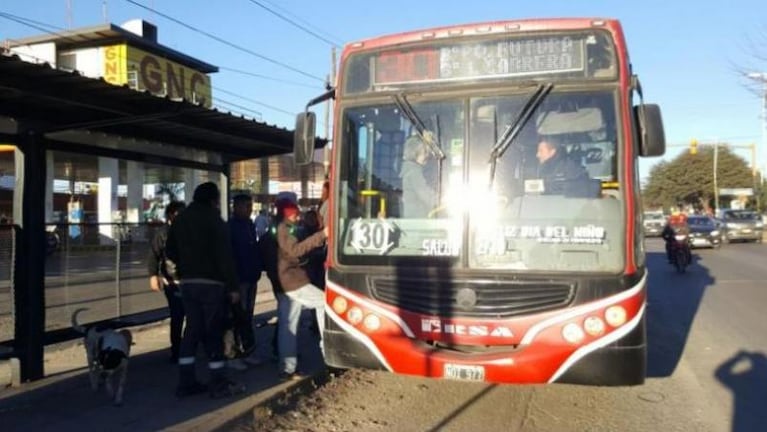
(707, 370)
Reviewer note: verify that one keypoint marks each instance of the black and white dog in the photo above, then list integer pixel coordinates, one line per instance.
(107, 351)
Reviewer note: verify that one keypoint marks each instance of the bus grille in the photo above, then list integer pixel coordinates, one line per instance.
(479, 299)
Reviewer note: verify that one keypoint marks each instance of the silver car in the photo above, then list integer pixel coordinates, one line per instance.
(742, 225)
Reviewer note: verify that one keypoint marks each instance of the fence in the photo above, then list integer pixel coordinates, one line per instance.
(101, 267)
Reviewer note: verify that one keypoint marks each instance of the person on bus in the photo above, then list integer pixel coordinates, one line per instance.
(418, 197)
(557, 170)
(676, 224)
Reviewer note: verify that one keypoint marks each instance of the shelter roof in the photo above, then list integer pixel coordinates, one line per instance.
(89, 115)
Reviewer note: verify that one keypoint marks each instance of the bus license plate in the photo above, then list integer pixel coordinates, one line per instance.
(464, 372)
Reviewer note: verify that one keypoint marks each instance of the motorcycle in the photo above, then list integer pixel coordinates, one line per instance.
(681, 256)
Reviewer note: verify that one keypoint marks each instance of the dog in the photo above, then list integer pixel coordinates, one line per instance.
(107, 351)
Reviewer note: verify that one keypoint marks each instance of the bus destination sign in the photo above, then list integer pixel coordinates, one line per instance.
(487, 59)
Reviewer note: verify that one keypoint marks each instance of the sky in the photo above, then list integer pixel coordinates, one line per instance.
(690, 55)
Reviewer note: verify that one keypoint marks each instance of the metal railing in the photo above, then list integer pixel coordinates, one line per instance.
(98, 266)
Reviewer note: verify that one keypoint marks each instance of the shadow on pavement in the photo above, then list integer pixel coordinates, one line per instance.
(673, 301)
(66, 403)
(745, 374)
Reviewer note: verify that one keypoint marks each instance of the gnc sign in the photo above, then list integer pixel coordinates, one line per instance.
(141, 70)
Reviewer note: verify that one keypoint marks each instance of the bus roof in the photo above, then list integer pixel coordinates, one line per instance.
(488, 28)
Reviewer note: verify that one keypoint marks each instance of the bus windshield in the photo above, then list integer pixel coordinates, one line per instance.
(552, 203)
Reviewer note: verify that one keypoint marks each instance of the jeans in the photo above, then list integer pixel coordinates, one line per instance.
(288, 318)
(310, 297)
(239, 336)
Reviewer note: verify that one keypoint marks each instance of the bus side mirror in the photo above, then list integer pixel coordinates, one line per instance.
(303, 139)
(652, 138)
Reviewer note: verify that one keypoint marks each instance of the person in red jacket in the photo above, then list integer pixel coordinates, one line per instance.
(293, 277)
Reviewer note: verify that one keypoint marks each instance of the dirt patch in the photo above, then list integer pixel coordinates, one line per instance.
(319, 407)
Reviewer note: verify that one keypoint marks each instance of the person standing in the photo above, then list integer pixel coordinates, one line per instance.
(295, 281)
(198, 242)
(418, 197)
(262, 224)
(249, 266)
(288, 311)
(162, 276)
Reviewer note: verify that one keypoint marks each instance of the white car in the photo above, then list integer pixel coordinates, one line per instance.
(653, 223)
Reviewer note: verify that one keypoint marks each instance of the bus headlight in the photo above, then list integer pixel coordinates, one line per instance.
(615, 316)
(594, 326)
(354, 316)
(572, 333)
(340, 305)
(372, 322)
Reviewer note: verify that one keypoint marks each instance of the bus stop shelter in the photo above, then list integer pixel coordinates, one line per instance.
(44, 109)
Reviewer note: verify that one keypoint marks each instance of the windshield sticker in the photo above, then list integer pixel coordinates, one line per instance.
(441, 247)
(490, 243)
(588, 234)
(374, 235)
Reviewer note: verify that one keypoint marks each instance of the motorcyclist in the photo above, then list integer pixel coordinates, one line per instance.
(675, 225)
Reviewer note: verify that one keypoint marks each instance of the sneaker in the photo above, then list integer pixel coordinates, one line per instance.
(226, 388)
(291, 376)
(236, 364)
(190, 390)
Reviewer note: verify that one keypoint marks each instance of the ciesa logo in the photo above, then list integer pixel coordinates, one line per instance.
(437, 326)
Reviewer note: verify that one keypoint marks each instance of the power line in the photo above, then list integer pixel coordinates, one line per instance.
(226, 102)
(34, 24)
(295, 24)
(253, 74)
(9, 16)
(303, 21)
(226, 42)
(26, 21)
(272, 107)
(22, 20)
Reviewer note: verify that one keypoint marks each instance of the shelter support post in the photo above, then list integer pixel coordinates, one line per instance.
(29, 254)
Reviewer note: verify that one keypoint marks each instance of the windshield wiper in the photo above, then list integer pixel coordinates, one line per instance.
(515, 127)
(428, 137)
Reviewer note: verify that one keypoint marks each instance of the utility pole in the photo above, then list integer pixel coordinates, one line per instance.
(328, 108)
(716, 184)
(762, 78)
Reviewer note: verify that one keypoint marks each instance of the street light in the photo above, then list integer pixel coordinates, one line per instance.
(761, 77)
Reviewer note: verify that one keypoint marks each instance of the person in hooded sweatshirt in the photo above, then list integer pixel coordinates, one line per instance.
(295, 281)
(198, 243)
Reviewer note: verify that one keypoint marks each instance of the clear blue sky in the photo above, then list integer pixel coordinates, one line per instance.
(686, 53)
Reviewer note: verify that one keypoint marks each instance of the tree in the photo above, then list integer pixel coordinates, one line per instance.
(689, 179)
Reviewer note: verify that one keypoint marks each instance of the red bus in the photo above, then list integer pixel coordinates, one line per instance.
(459, 249)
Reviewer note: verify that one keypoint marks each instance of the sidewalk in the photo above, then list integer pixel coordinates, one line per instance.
(63, 401)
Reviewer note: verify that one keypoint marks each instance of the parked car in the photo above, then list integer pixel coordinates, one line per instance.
(745, 225)
(704, 232)
(653, 224)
